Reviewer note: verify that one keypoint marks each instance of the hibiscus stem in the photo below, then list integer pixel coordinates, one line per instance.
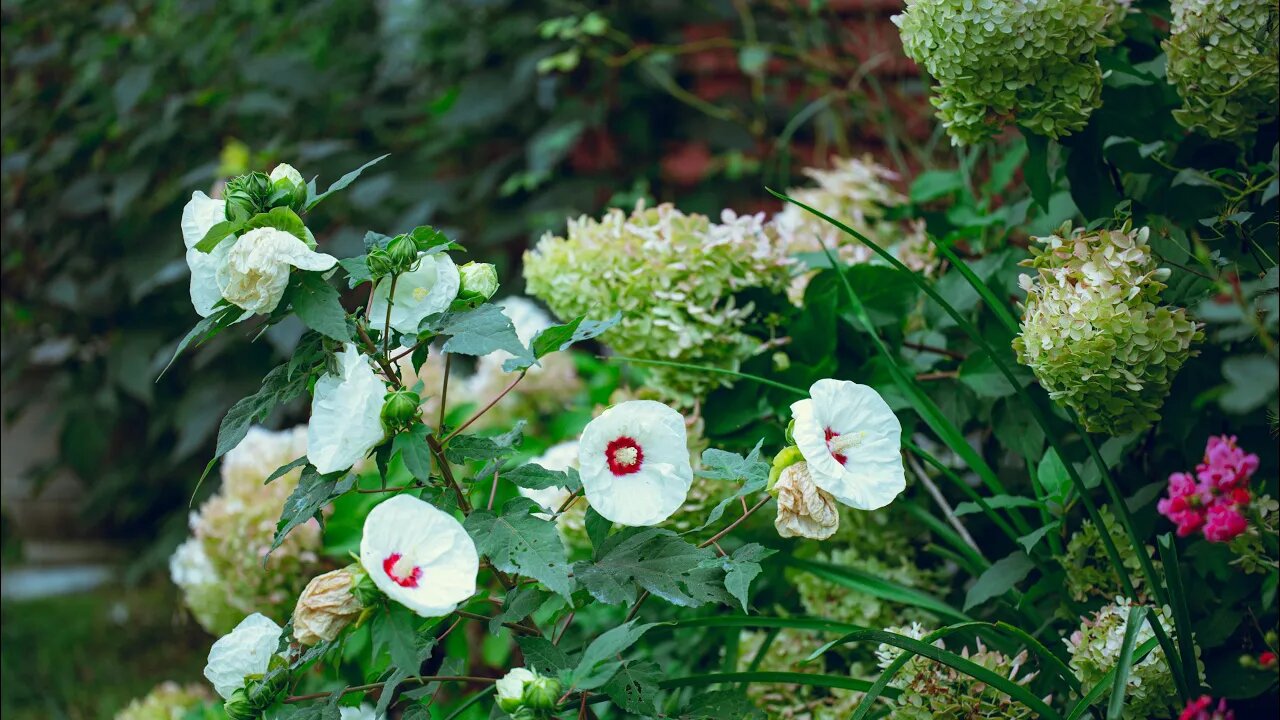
(493, 491)
(479, 413)
(420, 679)
(372, 349)
(568, 502)
(514, 626)
(386, 325)
(444, 392)
(447, 472)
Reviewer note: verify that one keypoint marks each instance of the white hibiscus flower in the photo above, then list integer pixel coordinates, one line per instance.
(346, 411)
(256, 268)
(634, 462)
(852, 442)
(510, 688)
(419, 556)
(199, 215)
(426, 290)
(359, 712)
(245, 651)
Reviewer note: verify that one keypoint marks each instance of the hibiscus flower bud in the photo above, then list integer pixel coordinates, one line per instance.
(238, 707)
(327, 606)
(247, 195)
(379, 263)
(288, 189)
(400, 408)
(403, 252)
(783, 460)
(479, 282)
(542, 693)
(524, 693)
(510, 688)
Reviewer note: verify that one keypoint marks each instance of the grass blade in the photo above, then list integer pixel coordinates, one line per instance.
(765, 621)
(1097, 691)
(1181, 613)
(1124, 663)
(879, 587)
(843, 682)
(713, 370)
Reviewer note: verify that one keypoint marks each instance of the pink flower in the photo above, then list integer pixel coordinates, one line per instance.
(1202, 709)
(1224, 523)
(1225, 465)
(1184, 506)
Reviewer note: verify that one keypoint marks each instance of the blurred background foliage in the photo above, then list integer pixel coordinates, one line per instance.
(502, 119)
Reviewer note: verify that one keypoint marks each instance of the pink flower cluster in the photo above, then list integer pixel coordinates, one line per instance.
(1202, 708)
(1212, 500)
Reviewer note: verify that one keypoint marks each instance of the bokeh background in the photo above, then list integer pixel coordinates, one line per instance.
(502, 118)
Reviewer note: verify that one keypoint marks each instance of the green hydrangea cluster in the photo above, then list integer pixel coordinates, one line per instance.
(999, 62)
(788, 653)
(1223, 61)
(220, 568)
(858, 193)
(676, 279)
(168, 701)
(1095, 647)
(931, 690)
(1088, 569)
(875, 542)
(1093, 331)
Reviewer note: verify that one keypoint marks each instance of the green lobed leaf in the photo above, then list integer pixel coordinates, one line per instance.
(543, 656)
(597, 665)
(751, 471)
(411, 443)
(313, 493)
(479, 332)
(313, 199)
(519, 603)
(656, 560)
(318, 305)
(517, 541)
(634, 687)
(741, 568)
(533, 476)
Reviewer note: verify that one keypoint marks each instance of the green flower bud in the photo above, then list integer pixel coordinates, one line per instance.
(400, 408)
(479, 282)
(247, 195)
(288, 189)
(783, 460)
(238, 707)
(403, 252)
(542, 693)
(379, 263)
(364, 589)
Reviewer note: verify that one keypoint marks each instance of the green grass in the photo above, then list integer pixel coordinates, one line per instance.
(83, 657)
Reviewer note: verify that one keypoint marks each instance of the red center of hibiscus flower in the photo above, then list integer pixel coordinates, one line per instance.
(400, 574)
(832, 435)
(625, 456)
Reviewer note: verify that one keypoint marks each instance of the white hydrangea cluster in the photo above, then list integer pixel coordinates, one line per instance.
(787, 653)
(1093, 331)
(1003, 62)
(167, 701)
(675, 277)
(858, 193)
(1095, 648)
(1223, 61)
(220, 568)
(930, 689)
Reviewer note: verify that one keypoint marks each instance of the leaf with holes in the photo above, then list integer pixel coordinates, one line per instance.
(516, 541)
(634, 687)
(657, 560)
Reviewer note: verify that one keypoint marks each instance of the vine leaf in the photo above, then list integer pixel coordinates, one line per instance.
(516, 541)
(657, 560)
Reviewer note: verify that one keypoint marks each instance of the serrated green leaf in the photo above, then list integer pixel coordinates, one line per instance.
(216, 234)
(284, 469)
(751, 471)
(319, 306)
(634, 687)
(741, 568)
(357, 269)
(414, 451)
(561, 337)
(541, 655)
(533, 476)
(657, 560)
(313, 493)
(520, 602)
(480, 331)
(280, 218)
(478, 447)
(221, 319)
(516, 541)
(597, 665)
(342, 183)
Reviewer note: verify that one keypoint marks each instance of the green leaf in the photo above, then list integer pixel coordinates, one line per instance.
(535, 477)
(1124, 662)
(561, 337)
(981, 375)
(634, 687)
(598, 527)
(1181, 613)
(1036, 170)
(519, 604)
(216, 234)
(721, 465)
(481, 331)
(414, 451)
(999, 501)
(998, 579)
(318, 306)
(429, 239)
(1031, 539)
(313, 493)
(597, 665)
(342, 183)
(656, 560)
(277, 388)
(720, 704)
(1052, 475)
(741, 568)
(842, 682)
(516, 541)
(477, 447)
(280, 218)
(357, 269)
(932, 184)
(542, 655)
(221, 319)
(284, 470)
